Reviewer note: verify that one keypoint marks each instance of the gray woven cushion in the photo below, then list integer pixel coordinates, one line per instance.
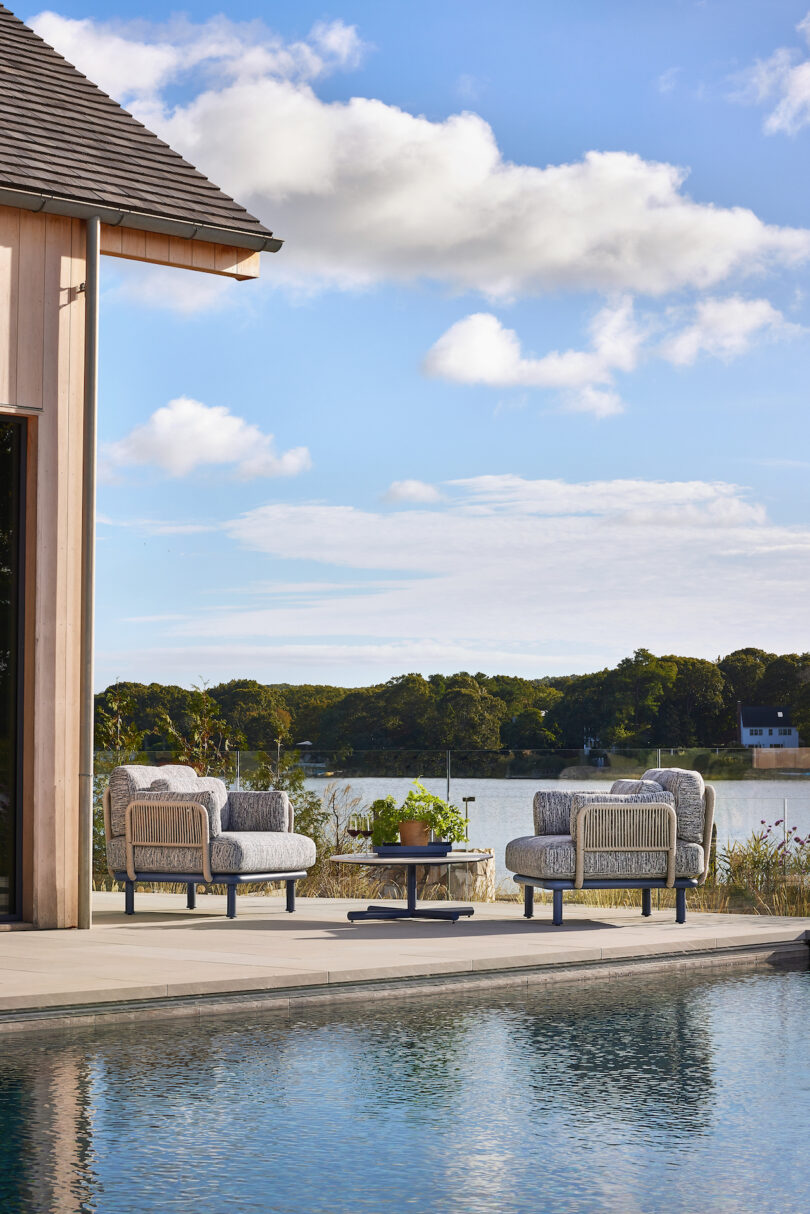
(127, 781)
(631, 786)
(202, 796)
(261, 852)
(247, 852)
(688, 789)
(154, 859)
(580, 799)
(554, 857)
(216, 801)
(259, 811)
(552, 811)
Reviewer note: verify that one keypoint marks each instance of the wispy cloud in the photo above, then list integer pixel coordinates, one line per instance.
(783, 82)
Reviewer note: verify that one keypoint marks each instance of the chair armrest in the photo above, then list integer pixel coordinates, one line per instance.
(177, 823)
(613, 826)
(265, 811)
(708, 823)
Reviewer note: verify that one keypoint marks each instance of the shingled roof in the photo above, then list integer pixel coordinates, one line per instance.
(65, 146)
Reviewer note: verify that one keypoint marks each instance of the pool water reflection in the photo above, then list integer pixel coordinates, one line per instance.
(636, 1095)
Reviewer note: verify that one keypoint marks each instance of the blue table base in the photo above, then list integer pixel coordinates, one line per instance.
(450, 914)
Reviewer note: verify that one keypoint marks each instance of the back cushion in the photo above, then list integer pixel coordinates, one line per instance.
(552, 810)
(125, 784)
(215, 799)
(689, 791)
(580, 799)
(633, 786)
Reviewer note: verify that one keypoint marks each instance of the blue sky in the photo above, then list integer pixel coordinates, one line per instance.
(534, 357)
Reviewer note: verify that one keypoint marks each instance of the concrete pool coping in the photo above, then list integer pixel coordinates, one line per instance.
(170, 961)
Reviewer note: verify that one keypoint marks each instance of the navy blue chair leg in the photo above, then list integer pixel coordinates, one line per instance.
(680, 906)
(290, 896)
(231, 909)
(129, 897)
(556, 917)
(646, 903)
(191, 895)
(528, 901)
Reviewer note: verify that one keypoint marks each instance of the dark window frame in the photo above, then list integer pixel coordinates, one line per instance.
(20, 424)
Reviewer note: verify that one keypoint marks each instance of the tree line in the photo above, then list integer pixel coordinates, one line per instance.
(645, 700)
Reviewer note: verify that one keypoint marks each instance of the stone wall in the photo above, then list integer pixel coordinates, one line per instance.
(447, 882)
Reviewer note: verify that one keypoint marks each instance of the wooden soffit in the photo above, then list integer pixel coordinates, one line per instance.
(179, 251)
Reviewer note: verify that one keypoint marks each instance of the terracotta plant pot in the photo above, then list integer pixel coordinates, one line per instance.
(414, 834)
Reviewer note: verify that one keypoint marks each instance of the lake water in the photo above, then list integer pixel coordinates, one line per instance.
(502, 809)
(665, 1094)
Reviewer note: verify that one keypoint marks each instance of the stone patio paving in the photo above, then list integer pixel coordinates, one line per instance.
(180, 962)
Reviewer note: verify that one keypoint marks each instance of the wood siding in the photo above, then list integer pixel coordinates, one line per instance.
(180, 252)
(42, 264)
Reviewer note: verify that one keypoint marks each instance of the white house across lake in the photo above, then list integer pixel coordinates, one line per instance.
(768, 728)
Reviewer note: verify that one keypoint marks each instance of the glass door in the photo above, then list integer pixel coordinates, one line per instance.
(12, 486)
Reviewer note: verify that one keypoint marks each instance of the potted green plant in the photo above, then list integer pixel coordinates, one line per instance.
(411, 822)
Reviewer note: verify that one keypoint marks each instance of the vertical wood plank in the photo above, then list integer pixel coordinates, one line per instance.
(31, 309)
(74, 406)
(133, 244)
(51, 758)
(110, 240)
(9, 283)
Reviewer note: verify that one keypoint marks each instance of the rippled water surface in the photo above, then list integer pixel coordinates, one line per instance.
(673, 1095)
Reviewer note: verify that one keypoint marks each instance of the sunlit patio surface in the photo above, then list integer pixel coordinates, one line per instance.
(172, 961)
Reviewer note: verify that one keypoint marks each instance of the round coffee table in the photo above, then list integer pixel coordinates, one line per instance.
(410, 863)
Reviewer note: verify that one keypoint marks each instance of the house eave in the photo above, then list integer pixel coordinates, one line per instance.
(57, 204)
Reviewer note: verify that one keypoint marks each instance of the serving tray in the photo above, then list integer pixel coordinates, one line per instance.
(399, 849)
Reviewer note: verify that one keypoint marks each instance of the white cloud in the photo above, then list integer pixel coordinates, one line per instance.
(725, 328)
(186, 434)
(366, 192)
(412, 491)
(479, 350)
(783, 78)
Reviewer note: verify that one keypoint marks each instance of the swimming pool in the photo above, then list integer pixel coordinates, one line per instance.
(680, 1094)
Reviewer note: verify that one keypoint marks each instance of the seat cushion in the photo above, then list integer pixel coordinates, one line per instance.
(231, 852)
(689, 791)
(554, 857)
(127, 781)
(261, 852)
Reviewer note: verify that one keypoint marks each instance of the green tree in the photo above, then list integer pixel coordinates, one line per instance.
(118, 741)
(201, 738)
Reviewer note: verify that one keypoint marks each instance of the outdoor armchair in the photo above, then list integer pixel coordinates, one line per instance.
(652, 833)
(167, 824)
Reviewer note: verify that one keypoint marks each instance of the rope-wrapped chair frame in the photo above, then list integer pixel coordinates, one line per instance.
(626, 828)
(167, 824)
